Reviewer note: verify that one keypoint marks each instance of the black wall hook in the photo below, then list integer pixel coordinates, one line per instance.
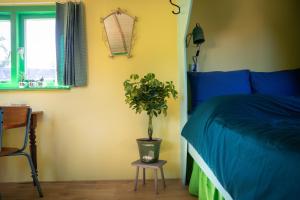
(175, 13)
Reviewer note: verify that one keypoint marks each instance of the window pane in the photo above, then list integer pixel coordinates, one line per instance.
(5, 50)
(40, 53)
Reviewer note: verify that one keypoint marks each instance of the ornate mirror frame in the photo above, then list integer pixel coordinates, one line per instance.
(119, 32)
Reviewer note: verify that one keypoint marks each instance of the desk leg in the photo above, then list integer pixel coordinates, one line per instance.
(32, 138)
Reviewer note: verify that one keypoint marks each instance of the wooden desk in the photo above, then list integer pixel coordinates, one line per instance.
(32, 137)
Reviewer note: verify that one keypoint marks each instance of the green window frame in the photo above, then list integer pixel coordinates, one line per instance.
(17, 16)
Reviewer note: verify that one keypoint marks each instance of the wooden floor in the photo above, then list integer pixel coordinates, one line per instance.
(98, 190)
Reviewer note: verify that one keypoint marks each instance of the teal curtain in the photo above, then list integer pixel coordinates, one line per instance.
(71, 44)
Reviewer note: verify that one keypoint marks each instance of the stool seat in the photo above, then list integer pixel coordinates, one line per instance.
(155, 166)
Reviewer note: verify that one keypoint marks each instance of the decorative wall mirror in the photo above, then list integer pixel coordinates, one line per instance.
(119, 27)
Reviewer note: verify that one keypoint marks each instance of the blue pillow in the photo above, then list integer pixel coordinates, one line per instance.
(205, 85)
(280, 83)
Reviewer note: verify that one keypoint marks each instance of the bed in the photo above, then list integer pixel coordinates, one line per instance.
(244, 134)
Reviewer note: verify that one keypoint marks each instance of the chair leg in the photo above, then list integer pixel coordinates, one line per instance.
(34, 175)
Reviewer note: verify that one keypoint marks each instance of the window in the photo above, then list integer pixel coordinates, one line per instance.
(40, 55)
(28, 48)
(5, 49)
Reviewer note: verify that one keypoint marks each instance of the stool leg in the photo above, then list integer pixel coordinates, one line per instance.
(155, 182)
(144, 176)
(136, 178)
(162, 176)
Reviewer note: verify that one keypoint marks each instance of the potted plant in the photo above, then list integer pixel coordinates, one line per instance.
(41, 82)
(150, 95)
(22, 82)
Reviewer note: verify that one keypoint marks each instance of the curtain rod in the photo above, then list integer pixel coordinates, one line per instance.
(36, 3)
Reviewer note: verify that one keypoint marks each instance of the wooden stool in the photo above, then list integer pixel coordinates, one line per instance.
(155, 166)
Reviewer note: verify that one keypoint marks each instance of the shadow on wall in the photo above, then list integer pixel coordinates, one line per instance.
(259, 35)
(283, 25)
(213, 16)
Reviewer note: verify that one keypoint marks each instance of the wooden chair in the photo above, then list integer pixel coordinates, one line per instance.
(15, 117)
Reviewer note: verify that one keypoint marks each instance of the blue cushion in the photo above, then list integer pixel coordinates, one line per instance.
(205, 85)
(280, 83)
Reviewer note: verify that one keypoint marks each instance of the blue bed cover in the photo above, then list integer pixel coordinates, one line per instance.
(251, 143)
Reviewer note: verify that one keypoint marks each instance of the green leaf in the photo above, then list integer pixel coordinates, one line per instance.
(148, 94)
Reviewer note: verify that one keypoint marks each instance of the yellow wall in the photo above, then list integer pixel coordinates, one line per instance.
(89, 133)
(258, 35)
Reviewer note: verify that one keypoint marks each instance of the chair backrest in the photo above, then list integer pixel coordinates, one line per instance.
(15, 117)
